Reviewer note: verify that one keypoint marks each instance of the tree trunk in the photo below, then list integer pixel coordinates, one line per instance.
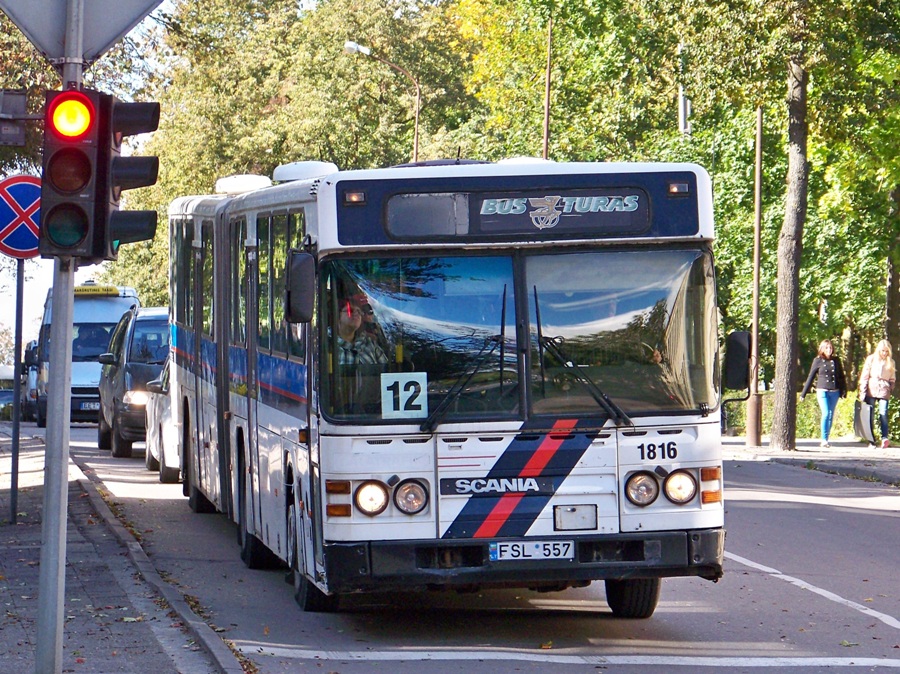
(790, 251)
(892, 301)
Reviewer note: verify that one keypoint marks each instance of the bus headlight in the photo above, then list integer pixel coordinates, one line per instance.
(680, 487)
(642, 489)
(371, 498)
(410, 497)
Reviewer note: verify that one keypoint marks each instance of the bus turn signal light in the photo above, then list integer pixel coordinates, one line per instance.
(338, 510)
(711, 496)
(710, 473)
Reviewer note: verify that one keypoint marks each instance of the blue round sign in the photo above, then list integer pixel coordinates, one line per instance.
(20, 216)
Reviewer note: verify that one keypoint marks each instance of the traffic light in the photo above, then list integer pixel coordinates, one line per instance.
(116, 173)
(69, 211)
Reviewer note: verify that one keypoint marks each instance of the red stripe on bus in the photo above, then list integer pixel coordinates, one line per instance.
(547, 449)
(498, 516)
(508, 502)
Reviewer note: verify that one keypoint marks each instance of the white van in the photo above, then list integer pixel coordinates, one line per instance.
(96, 310)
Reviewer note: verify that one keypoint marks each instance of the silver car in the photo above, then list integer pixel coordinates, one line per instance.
(162, 436)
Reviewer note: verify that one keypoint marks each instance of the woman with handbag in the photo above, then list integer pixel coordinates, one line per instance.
(876, 383)
(828, 374)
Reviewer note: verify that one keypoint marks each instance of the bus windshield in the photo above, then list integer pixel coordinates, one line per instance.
(414, 338)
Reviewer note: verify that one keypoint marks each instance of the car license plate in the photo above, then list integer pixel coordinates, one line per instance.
(502, 551)
(90, 406)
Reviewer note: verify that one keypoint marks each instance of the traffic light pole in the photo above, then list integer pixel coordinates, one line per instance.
(52, 579)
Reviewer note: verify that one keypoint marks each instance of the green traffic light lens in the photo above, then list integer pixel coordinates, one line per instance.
(66, 225)
(69, 171)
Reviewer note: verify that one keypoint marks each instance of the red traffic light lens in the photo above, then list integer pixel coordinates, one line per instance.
(71, 115)
(69, 171)
(66, 225)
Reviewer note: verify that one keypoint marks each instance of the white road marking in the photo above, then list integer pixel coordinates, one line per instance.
(890, 621)
(412, 655)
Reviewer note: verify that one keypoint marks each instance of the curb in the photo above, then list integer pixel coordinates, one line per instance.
(224, 659)
(866, 471)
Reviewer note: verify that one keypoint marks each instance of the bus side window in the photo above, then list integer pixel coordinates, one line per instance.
(279, 260)
(296, 332)
(264, 283)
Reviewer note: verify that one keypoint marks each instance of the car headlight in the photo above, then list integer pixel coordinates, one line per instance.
(680, 487)
(138, 398)
(371, 498)
(410, 497)
(642, 489)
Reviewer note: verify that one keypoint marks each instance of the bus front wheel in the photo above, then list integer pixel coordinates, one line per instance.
(633, 597)
(310, 598)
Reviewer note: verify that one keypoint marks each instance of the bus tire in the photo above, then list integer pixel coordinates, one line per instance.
(197, 502)
(185, 455)
(633, 597)
(121, 448)
(253, 552)
(310, 598)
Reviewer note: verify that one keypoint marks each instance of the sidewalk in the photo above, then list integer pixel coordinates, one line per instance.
(846, 456)
(120, 617)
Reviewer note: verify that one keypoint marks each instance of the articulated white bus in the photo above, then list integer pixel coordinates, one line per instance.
(456, 375)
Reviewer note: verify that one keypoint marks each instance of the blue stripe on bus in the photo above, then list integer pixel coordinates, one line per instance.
(282, 382)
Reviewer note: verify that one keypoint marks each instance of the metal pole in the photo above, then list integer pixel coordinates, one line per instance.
(754, 402)
(546, 153)
(52, 579)
(17, 394)
(416, 132)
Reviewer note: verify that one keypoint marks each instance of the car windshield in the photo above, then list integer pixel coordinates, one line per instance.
(149, 342)
(90, 340)
(435, 339)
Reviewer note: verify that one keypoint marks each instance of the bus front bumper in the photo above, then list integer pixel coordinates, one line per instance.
(466, 564)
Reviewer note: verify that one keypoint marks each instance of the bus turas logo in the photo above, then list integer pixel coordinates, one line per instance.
(492, 486)
(548, 210)
(544, 215)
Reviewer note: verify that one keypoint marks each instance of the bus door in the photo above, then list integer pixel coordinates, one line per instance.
(205, 372)
(254, 286)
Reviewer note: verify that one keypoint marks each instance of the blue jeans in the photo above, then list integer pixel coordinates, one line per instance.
(882, 414)
(828, 400)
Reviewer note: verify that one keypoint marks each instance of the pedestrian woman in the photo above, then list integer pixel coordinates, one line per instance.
(828, 374)
(876, 383)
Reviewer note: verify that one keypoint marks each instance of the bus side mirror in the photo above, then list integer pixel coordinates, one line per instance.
(300, 281)
(737, 361)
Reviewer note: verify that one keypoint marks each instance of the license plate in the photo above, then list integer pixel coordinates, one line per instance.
(501, 551)
(90, 406)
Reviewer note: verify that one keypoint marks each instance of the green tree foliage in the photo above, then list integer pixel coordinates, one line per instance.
(246, 85)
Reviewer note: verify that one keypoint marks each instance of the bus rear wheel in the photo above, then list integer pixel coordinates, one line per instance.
(633, 597)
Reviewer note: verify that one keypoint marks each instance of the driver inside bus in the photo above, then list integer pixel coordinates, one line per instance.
(355, 345)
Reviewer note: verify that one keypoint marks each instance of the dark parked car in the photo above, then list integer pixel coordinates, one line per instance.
(137, 350)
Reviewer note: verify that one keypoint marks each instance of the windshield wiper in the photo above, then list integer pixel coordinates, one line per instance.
(460, 384)
(553, 345)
